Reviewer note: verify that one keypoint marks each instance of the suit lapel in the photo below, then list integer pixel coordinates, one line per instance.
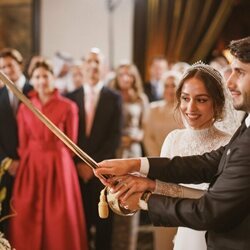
(229, 147)
(4, 96)
(6, 114)
(80, 98)
(80, 101)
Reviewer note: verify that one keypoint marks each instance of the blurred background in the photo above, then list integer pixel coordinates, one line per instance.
(182, 30)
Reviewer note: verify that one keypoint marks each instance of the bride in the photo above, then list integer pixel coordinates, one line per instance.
(201, 101)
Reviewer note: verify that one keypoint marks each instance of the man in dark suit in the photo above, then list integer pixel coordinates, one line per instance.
(154, 87)
(11, 63)
(100, 114)
(224, 210)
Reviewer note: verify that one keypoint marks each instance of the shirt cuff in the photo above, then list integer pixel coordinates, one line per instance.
(143, 205)
(144, 167)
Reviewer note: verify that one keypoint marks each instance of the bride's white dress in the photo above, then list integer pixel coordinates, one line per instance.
(185, 142)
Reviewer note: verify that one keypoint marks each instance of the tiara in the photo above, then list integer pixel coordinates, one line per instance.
(201, 66)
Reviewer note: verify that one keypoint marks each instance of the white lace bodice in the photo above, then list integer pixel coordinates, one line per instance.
(185, 142)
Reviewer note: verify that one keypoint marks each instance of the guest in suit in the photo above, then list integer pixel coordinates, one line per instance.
(11, 64)
(180, 67)
(76, 75)
(62, 62)
(100, 115)
(154, 88)
(224, 209)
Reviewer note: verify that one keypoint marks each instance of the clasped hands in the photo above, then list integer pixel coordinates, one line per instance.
(125, 181)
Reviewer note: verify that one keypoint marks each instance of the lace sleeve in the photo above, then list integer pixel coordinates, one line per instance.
(175, 190)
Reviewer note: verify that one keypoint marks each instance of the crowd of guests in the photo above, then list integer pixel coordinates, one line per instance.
(52, 194)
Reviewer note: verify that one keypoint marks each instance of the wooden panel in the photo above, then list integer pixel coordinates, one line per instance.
(16, 25)
(14, 2)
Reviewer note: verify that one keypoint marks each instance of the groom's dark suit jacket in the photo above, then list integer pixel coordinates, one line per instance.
(224, 210)
(106, 129)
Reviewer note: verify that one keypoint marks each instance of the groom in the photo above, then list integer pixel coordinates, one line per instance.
(224, 210)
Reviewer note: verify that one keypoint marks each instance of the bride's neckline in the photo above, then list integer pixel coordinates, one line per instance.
(202, 132)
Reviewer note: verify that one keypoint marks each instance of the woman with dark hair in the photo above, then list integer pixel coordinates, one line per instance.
(201, 101)
(46, 195)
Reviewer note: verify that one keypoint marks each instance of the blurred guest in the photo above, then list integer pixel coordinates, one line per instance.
(135, 105)
(109, 78)
(46, 194)
(100, 114)
(76, 75)
(180, 67)
(226, 72)
(153, 88)
(11, 64)
(62, 62)
(218, 63)
(31, 63)
(163, 114)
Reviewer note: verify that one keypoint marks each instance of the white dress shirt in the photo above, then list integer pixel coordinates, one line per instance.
(247, 120)
(96, 88)
(13, 99)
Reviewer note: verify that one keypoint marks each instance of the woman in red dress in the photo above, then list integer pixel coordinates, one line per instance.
(46, 194)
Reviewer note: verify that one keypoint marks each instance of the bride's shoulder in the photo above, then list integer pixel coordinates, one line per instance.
(174, 134)
(177, 132)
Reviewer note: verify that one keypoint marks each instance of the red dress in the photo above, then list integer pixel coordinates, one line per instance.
(46, 193)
